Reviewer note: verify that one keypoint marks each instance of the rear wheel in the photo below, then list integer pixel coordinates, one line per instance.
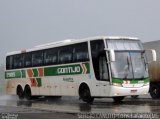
(85, 94)
(118, 99)
(20, 92)
(155, 91)
(27, 93)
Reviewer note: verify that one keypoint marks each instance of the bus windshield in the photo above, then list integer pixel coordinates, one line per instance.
(130, 59)
(129, 65)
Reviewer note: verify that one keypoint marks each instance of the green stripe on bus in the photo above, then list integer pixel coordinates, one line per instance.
(23, 73)
(13, 74)
(35, 72)
(83, 68)
(39, 82)
(135, 81)
(117, 80)
(88, 67)
(67, 70)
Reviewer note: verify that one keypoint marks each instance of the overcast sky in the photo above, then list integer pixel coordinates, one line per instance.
(26, 23)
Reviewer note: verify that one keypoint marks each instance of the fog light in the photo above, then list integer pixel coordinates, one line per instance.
(146, 84)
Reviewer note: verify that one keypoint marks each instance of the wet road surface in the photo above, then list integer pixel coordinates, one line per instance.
(143, 104)
(11, 112)
(72, 108)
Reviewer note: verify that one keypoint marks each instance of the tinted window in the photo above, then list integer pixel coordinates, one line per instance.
(97, 47)
(65, 54)
(37, 58)
(80, 52)
(18, 61)
(27, 59)
(9, 62)
(51, 56)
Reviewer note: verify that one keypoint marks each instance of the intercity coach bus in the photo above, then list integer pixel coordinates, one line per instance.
(90, 68)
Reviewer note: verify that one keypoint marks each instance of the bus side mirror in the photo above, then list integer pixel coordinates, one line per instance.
(151, 55)
(111, 55)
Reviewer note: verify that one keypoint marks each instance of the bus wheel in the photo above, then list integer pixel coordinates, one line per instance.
(20, 92)
(155, 91)
(118, 99)
(85, 94)
(27, 93)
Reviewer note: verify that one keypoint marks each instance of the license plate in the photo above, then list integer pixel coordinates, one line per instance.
(133, 91)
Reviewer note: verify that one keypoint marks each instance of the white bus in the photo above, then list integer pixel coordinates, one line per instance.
(90, 68)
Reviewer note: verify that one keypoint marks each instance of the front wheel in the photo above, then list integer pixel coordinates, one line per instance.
(118, 99)
(85, 94)
(155, 91)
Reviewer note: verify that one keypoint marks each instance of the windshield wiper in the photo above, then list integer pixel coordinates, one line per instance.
(128, 62)
(126, 69)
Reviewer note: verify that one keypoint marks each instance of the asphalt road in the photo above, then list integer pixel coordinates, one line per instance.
(72, 107)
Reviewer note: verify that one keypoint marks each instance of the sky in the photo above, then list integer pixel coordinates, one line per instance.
(27, 23)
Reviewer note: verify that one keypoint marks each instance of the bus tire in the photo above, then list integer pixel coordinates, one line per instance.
(155, 91)
(85, 94)
(27, 93)
(118, 99)
(20, 92)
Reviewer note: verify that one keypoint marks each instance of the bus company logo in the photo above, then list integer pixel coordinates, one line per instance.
(10, 74)
(68, 70)
(126, 82)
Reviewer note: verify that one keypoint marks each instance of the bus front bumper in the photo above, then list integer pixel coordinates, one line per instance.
(122, 91)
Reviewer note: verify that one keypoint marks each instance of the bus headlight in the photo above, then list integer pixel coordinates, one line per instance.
(146, 84)
(117, 84)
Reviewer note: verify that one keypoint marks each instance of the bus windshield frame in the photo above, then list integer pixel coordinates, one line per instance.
(129, 65)
(130, 59)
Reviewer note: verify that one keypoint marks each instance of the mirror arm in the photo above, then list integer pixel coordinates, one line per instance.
(154, 55)
(111, 54)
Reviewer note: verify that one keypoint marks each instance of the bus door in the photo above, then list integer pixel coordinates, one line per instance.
(103, 75)
(100, 67)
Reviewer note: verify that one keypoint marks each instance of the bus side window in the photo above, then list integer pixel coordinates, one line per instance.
(80, 53)
(50, 56)
(37, 58)
(9, 62)
(65, 54)
(18, 61)
(27, 59)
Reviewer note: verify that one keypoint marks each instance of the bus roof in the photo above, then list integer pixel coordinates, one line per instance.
(69, 41)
